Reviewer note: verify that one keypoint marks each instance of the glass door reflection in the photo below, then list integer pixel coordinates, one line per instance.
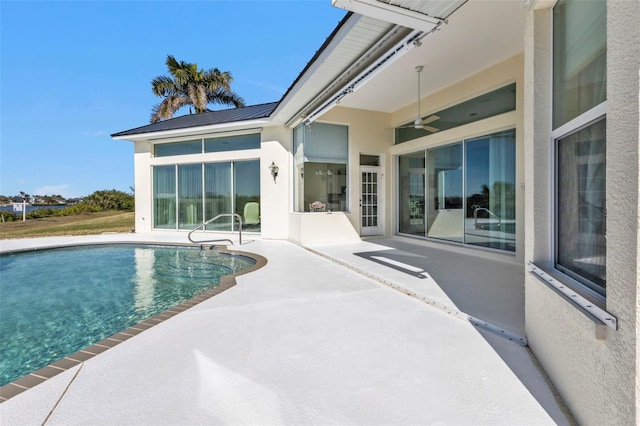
(445, 219)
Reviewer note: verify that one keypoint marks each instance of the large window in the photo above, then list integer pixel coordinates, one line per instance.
(187, 195)
(579, 78)
(463, 192)
(320, 156)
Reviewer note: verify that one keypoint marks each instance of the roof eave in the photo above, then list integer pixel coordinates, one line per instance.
(196, 131)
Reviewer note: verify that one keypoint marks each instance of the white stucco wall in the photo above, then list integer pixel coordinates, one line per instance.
(143, 187)
(594, 368)
(275, 196)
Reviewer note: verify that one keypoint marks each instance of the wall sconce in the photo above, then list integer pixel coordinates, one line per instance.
(274, 171)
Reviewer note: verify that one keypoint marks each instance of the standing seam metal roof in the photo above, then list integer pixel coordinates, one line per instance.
(252, 112)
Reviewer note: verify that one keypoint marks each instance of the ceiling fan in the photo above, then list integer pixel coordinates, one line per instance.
(419, 122)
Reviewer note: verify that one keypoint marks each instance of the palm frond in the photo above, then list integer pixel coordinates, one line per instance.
(226, 97)
(164, 86)
(217, 80)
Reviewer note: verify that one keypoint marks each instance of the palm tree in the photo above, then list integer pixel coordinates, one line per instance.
(189, 86)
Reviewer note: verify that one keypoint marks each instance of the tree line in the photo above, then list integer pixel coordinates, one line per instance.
(99, 201)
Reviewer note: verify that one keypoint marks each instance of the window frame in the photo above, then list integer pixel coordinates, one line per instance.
(299, 205)
(592, 116)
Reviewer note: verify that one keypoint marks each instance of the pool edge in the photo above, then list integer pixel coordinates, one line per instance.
(41, 375)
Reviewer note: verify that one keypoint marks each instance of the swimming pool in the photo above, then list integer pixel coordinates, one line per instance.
(55, 302)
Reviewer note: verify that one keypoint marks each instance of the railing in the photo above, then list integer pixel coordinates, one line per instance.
(233, 215)
(475, 216)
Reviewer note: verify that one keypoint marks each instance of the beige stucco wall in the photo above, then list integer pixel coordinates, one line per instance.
(370, 133)
(594, 368)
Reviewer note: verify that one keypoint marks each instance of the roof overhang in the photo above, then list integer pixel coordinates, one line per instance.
(374, 35)
(420, 15)
(477, 35)
(239, 126)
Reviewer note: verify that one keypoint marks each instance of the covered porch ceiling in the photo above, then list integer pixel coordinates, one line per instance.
(479, 34)
(475, 35)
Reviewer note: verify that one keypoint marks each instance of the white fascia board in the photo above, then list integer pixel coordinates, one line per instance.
(388, 13)
(196, 131)
(411, 41)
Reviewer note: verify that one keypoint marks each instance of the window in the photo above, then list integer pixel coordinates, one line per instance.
(579, 58)
(488, 105)
(581, 209)
(579, 121)
(164, 197)
(187, 195)
(232, 143)
(320, 156)
(213, 144)
(177, 148)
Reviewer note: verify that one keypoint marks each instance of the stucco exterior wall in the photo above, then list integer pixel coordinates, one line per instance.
(275, 195)
(370, 133)
(594, 368)
(142, 186)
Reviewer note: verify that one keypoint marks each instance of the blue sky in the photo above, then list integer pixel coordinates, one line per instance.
(74, 72)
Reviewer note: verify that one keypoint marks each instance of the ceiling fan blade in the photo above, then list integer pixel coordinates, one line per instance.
(430, 119)
(431, 129)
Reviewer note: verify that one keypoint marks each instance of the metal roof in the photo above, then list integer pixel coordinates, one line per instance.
(252, 112)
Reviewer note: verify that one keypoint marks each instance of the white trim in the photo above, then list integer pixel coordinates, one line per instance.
(380, 228)
(583, 120)
(605, 317)
(194, 131)
(389, 13)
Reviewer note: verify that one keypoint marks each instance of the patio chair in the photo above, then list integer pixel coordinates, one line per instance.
(251, 214)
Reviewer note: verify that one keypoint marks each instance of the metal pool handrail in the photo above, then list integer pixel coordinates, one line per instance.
(234, 215)
(475, 216)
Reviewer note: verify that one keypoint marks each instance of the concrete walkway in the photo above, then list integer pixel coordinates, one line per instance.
(301, 341)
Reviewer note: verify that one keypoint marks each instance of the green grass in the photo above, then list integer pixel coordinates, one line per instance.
(83, 224)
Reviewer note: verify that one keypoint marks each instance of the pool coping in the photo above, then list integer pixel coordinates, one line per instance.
(34, 378)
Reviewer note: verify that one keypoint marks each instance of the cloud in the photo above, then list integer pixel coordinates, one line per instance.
(95, 133)
(63, 190)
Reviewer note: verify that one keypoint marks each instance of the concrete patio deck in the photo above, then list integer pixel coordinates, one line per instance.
(303, 340)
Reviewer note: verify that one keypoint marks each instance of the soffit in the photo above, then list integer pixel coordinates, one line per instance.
(354, 37)
(416, 14)
(478, 35)
(435, 8)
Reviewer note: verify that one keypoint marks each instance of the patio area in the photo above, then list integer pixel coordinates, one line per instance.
(317, 336)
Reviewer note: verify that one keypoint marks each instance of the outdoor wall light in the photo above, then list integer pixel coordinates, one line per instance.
(274, 171)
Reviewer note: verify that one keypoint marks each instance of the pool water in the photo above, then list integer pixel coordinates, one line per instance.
(55, 302)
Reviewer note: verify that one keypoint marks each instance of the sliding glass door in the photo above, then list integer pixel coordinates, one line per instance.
(217, 178)
(463, 192)
(412, 194)
(444, 212)
(491, 191)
